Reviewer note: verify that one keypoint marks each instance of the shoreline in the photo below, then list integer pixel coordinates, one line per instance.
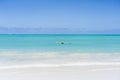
(79, 65)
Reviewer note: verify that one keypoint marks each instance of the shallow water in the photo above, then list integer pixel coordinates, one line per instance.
(46, 48)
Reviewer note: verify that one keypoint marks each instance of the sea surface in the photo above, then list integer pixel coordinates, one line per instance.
(47, 48)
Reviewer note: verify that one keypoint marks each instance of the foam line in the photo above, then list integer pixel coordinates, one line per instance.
(58, 65)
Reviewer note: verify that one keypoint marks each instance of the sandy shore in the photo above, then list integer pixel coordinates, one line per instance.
(91, 72)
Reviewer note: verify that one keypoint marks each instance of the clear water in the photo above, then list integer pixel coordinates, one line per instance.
(46, 48)
(73, 43)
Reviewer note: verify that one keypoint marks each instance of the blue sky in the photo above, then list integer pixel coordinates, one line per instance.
(60, 16)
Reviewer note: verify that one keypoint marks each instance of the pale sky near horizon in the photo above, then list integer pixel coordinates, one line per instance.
(89, 15)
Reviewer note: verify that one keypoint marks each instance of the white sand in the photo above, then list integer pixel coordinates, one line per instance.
(91, 72)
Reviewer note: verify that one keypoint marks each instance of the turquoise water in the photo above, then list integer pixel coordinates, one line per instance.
(46, 48)
(73, 43)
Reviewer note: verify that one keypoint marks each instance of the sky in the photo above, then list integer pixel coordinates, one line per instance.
(60, 16)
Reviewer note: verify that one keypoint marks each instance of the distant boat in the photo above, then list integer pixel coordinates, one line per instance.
(62, 42)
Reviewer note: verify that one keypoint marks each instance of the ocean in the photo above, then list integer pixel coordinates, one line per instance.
(47, 48)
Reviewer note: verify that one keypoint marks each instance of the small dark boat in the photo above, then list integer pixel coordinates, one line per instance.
(62, 43)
